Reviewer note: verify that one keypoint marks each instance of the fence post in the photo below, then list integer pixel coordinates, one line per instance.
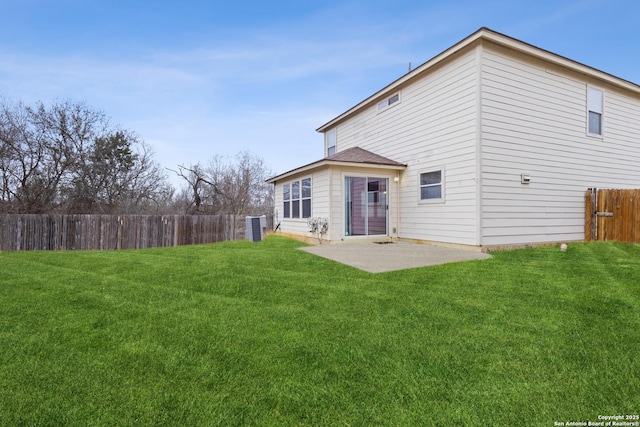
(594, 214)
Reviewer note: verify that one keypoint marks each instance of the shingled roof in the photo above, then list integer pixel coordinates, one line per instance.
(360, 155)
(353, 156)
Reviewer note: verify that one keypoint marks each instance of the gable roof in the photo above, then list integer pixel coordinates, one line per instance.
(354, 156)
(485, 34)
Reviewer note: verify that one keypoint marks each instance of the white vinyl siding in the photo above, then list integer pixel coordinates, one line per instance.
(434, 126)
(533, 121)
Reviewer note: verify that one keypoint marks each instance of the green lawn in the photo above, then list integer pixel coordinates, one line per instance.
(263, 334)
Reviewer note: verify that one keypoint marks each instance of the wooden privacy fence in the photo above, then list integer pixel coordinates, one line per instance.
(612, 215)
(102, 232)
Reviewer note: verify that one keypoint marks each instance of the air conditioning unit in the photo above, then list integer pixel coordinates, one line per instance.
(256, 228)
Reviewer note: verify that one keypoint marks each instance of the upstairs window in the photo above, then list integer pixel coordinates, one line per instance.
(330, 138)
(594, 111)
(393, 99)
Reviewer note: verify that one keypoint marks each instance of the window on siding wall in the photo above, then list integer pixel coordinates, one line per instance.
(286, 197)
(296, 197)
(595, 108)
(393, 99)
(331, 139)
(431, 187)
(306, 198)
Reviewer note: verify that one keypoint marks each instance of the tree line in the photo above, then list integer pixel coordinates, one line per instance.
(67, 158)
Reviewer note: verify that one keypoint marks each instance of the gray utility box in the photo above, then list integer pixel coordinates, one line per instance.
(256, 227)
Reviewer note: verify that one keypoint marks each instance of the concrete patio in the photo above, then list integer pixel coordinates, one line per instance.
(379, 257)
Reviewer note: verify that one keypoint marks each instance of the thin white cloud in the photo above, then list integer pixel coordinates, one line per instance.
(554, 13)
(44, 78)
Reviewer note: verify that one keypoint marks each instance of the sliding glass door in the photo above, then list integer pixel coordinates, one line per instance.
(365, 206)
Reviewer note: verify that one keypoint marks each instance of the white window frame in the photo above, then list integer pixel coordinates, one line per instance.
(295, 213)
(331, 141)
(441, 199)
(304, 198)
(286, 200)
(389, 102)
(288, 213)
(595, 104)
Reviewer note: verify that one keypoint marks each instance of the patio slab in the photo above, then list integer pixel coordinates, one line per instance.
(389, 256)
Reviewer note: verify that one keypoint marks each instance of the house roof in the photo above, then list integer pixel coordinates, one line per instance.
(360, 155)
(485, 34)
(355, 156)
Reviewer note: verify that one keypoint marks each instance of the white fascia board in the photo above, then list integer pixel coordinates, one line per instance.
(325, 163)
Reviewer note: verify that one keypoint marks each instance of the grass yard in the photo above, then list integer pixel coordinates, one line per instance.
(263, 334)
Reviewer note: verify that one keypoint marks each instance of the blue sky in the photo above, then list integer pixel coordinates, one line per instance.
(197, 78)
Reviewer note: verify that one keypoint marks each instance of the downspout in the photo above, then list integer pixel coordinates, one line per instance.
(330, 213)
(397, 181)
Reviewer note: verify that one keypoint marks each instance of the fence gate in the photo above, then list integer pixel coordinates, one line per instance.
(612, 215)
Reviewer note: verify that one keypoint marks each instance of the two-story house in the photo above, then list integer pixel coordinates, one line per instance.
(493, 142)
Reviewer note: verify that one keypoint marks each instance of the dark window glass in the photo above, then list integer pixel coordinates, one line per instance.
(295, 209)
(434, 192)
(431, 178)
(306, 188)
(306, 208)
(431, 185)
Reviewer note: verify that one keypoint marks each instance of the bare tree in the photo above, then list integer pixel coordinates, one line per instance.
(32, 167)
(67, 158)
(149, 187)
(199, 189)
(241, 182)
(228, 185)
